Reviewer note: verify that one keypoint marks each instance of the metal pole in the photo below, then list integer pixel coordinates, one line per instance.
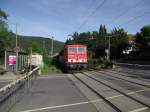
(5, 59)
(109, 48)
(30, 59)
(16, 36)
(52, 47)
(30, 67)
(16, 52)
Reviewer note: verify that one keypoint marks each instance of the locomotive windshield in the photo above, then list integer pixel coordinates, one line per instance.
(81, 49)
(75, 50)
(72, 49)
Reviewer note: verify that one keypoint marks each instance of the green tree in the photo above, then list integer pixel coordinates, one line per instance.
(145, 32)
(68, 41)
(4, 33)
(35, 47)
(119, 42)
(101, 42)
(101, 38)
(3, 15)
(75, 37)
(92, 40)
(143, 37)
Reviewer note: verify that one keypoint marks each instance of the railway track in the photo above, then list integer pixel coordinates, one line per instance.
(98, 94)
(133, 75)
(124, 83)
(127, 85)
(124, 79)
(90, 82)
(123, 93)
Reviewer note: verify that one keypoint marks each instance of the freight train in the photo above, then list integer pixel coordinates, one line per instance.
(73, 57)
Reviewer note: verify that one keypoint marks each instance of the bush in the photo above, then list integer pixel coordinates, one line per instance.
(50, 69)
(100, 63)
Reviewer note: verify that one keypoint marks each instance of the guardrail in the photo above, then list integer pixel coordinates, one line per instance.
(13, 92)
(136, 66)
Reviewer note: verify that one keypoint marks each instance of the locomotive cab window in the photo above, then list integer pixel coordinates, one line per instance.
(72, 50)
(81, 49)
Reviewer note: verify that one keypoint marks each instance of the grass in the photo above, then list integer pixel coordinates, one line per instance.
(50, 69)
(2, 61)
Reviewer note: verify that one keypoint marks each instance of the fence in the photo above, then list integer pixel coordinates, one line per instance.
(14, 92)
(22, 61)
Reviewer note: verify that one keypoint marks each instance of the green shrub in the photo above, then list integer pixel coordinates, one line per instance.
(50, 69)
(100, 63)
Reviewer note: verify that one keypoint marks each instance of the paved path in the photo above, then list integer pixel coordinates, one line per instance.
(54, 93)
(7, 78)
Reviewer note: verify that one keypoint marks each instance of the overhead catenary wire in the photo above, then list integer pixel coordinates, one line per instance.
(90, 6)
(92, 13)
(134, 18)
(126, 11)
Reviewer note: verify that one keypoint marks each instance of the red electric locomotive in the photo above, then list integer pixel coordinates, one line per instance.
(75, 56)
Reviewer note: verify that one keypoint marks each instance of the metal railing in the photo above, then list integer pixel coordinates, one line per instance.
(14, 92)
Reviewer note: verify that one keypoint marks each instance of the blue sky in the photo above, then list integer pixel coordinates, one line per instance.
(60, 18)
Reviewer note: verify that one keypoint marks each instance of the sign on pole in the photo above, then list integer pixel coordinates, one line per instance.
(16, 49)
(12, 60)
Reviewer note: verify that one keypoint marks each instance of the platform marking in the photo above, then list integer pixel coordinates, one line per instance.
(130, 93)
(3, 81)
(87, 102)
(60, 106)
(45, 77)
(139, 109)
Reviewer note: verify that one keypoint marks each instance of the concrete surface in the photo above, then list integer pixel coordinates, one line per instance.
(96, 100)
(7, 78)
(55, 93)
(122, 102)
(61, 93)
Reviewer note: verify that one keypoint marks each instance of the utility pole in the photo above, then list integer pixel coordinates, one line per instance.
(5, 59)
(30, 59)
(52, 46)
(30, 67)
(109, 48)
(16, 52)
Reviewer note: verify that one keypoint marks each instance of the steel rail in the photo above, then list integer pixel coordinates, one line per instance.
(98, 94)
(126, 80)
(123, 72)
(117, 90)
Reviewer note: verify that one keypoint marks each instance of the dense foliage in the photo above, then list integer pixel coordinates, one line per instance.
(143, 45)
(98, 41)
(143, 37)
